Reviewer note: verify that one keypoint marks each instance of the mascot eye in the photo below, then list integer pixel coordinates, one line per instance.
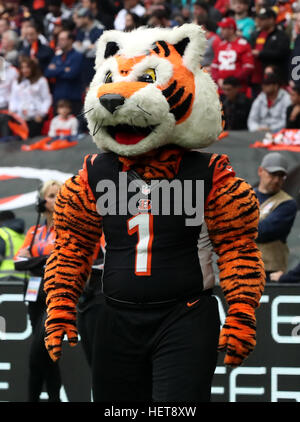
(148, 76)
(108, 78)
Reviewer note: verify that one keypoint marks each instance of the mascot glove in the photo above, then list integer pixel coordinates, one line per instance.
(61, 320)
(238, 335)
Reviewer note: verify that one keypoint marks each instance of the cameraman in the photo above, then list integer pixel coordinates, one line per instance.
(32, 256)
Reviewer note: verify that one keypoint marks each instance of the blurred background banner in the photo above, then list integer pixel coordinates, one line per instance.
(11, 202)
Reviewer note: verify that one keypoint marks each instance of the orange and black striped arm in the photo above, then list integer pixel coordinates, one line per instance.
(231, 215)
(78, 229)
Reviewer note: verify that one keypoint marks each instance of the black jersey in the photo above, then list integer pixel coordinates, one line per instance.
(150, 256)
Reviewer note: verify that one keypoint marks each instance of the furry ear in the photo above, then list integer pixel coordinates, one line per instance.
(181, 45)
(111, 49)
(190, 42)
(107, 46)
(188, 39)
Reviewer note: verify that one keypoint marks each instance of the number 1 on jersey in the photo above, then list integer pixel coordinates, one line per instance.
(142, 224)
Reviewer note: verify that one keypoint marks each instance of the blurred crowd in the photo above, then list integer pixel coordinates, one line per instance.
(48, 51)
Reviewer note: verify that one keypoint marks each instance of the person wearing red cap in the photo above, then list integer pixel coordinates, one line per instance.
(232, 57)
(228, 23)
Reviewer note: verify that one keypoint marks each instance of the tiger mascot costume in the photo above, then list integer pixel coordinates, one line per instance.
(158, 335)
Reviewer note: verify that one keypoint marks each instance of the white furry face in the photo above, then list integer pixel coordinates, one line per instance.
(149, 91)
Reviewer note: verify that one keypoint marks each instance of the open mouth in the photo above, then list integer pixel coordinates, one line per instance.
(129, 135)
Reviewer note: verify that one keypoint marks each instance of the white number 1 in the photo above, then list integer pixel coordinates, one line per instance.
(142, 224)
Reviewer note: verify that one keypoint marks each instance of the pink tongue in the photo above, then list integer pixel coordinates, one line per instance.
(128, 138)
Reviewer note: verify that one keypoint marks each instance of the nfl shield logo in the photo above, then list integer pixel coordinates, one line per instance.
(145, 190)
(144, 205)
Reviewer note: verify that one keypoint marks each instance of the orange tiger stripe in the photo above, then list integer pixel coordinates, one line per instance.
(232, 215)
(238, 335)
(161, 163)
(78, 229)
(184, 79)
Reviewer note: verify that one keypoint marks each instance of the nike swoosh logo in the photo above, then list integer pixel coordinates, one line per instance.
(189, 304)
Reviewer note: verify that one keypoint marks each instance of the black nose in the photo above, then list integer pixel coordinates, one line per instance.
(111, 101)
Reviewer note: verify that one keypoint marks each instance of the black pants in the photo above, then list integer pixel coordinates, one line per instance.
(35, 128)
(161, 354)
(86, 324)
(41, 367)
(4, 128)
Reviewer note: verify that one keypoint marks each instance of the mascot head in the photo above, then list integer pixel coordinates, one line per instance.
(149, 90)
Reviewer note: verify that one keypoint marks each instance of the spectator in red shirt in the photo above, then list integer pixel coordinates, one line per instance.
(270, 47)
(232, 57)
(222, 6)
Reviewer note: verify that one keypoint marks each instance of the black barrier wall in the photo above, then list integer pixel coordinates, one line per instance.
(270, 374)
(272, 371)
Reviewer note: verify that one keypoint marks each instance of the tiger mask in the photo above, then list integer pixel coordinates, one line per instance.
(149, 90)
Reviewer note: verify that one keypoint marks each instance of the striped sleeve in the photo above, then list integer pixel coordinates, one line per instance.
(78, 229)
(231, 215)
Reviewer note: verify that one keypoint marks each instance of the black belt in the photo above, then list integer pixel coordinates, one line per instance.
(150, 305)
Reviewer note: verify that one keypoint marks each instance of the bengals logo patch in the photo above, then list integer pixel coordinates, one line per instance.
(144, 205)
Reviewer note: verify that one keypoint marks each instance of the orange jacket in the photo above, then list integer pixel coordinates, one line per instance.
(43, 242)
